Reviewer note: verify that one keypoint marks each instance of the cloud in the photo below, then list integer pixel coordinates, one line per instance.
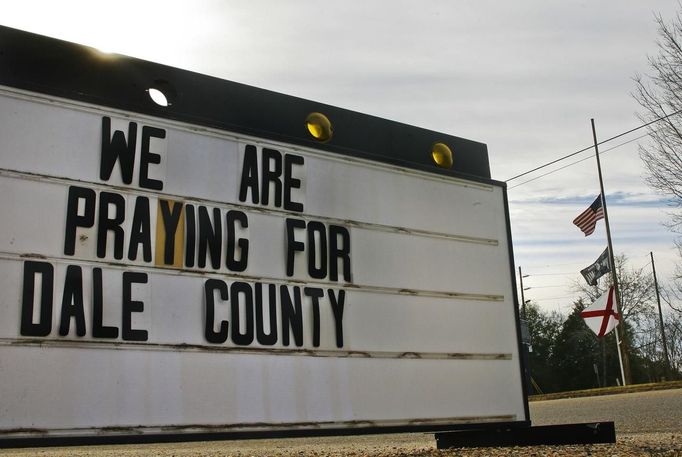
(523, 77)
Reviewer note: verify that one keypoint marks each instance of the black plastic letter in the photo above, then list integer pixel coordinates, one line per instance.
(212, 336)
(73, 220)
(249, 179)
(291, 183)
(114, 148)
(106, 224)
(314, 247)
(230, 259)
(72, 302)
(292, 316)
(140, 231)
(337, 308)
(190, 235)
(264, 338)
(315, 294)
(336, 253)
(210, 238)
(44, 325)
(271, 175)
(130, 306)
(292, 244)
(244, 289)
(147, 157)
(99, 330)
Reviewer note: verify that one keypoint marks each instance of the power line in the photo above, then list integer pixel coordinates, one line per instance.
(590, 147)
(549, 274)
(545, 299)
(578, 161)
(553, 265)
(543, 287)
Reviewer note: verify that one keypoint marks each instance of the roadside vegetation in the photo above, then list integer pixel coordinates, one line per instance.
(567, 356)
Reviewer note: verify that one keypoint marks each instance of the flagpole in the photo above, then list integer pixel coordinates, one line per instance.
(620, 357)
(624, 363)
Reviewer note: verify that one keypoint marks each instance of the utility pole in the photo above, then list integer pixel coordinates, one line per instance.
(525, 330)
(523, 301)
(660, 316)
(622, 345)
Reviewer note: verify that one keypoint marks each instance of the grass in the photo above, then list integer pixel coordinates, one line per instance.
(608, 391)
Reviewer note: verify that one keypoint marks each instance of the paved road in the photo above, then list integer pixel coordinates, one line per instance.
(657, 415)
(657, 411)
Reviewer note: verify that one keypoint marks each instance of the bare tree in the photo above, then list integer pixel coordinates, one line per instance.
(660, 96)
(636, 291)
(650, 346)
(673, 328)
(672, 296)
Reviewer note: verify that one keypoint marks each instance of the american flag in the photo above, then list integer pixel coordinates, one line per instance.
(587, 220)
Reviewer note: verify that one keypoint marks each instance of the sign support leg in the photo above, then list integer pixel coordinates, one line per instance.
(554, 435)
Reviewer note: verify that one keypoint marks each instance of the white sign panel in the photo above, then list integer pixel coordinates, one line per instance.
(160, 278)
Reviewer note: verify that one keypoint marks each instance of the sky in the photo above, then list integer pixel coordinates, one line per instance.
(523, 77)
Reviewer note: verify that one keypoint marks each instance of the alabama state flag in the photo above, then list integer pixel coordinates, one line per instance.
(602, 315)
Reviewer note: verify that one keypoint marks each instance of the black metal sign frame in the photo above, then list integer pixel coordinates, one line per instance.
(49, 66)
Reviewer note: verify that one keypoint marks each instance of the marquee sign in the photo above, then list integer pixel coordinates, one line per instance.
(209, 267)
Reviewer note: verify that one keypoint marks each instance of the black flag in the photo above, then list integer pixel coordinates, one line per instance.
(598, 269)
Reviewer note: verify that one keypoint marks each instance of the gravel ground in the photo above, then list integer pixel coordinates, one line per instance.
(645, 444)
(647, 424)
